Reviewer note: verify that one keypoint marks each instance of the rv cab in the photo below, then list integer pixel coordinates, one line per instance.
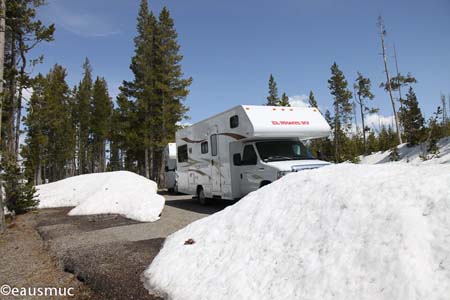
(262, 162)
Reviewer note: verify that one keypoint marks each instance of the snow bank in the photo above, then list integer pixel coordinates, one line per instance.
(411, 154)
(338, 232)
(121, 192)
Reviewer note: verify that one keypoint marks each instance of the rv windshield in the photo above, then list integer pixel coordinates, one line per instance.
(282, 150)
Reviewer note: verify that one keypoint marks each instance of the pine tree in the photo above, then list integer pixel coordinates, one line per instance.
(172, 88)
(143, 88)
(362, 87)
(158, 88)
(125, 135)
(60, 131)
(342, 107)
(22, 32)
(383, 139)
(435, 132)
(83, 121)
(36, 141)
(372, 142)
(21, 195)
(398, 82)
(412, 119)
(272, 99)
(284, 100)
(388, 80)
(312, 100)
(100, 123)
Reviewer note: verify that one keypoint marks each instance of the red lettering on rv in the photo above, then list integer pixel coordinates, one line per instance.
(290, 122)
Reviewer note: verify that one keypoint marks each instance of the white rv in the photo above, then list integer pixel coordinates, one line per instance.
(170, 166)
(244, 148)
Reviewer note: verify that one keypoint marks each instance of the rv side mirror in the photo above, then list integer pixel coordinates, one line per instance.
(166, 169)
(237, 159)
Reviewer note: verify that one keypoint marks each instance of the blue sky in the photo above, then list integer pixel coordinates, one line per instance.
(231, 47)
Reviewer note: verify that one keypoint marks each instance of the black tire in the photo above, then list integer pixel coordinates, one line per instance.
(201, 196)
(264, 183)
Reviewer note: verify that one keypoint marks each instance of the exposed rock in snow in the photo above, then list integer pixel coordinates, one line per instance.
(338, 232)
(121, 192)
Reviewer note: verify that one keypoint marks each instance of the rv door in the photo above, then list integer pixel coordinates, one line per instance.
(250, 178)
(216, 186)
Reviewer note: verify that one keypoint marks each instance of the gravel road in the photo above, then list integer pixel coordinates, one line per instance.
(109, 252)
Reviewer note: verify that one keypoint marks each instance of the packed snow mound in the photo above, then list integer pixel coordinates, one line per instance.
(121, 192)
(413, 154)
(338, 232)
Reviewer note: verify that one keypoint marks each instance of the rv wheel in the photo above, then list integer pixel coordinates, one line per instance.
(264, 183)
(201, 196)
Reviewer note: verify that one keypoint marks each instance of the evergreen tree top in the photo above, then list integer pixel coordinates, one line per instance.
(272, 99)
(338, 88)
(363, 86)
(312, 100)
(284, 100)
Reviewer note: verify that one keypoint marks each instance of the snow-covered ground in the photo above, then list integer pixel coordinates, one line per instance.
(339, 232)
(412, 154)
(121, 192)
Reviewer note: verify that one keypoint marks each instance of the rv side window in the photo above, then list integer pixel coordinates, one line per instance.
(214, 144)
(234, 121)
(182, 153)
(204, 147)
(249, 157)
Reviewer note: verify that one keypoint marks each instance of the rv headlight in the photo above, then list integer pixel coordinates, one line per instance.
(282, 173)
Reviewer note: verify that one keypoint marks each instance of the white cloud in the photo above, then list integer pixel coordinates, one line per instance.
(84, 24)
(299, 100)
(374, 122)
(184, 124)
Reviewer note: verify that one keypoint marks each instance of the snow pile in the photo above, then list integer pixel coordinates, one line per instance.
(338, 232)
(412, 154)
(121, 192)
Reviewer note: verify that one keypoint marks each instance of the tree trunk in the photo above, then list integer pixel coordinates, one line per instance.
(12, 93)
(103, 157)
(19, 98)
(146, 163)
(38, 176)
(388, 84)
(363, 124)
(162, 173)
(336, 133)
(151, 166)
(2, 60)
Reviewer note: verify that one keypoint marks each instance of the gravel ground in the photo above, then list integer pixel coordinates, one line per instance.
(24, 262)
(109, 252)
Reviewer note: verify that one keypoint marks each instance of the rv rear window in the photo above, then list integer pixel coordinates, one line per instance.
(213, 144)
(182, 153)
(234, 121)
(204, 147)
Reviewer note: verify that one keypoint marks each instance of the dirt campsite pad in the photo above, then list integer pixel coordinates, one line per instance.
(103, 256)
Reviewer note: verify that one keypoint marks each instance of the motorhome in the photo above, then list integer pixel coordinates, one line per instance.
(244, 148)
(170, 166)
